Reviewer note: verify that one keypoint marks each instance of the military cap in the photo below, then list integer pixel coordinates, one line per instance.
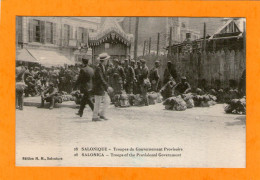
(157, 62)
(142, 60)
(183, 77)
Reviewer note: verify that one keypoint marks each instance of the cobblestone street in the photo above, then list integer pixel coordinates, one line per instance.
(208, 136)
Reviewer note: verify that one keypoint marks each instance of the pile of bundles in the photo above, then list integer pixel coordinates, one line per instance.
(227, 95)
(175, 104)
(63, 96)
(126, 100)
(205, 100)
(184, 101)
(236, 106)
(77, 96)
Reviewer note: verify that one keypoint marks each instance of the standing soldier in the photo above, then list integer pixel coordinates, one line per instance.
(118, 77)
(130, 77)
(138, 69)
(169, 73)
(155, 77)
(144, 82)
(85, 82)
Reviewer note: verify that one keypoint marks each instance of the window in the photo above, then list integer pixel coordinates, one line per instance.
(49, 32)
(81, 34)
(66, 34)
(36, 31)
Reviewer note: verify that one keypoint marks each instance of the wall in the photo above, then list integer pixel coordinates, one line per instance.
(211, 66)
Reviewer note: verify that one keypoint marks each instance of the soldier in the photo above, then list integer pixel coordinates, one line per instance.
(144, 82)
(84, 81)
(130, 77)
(169, 72)
(49, 95)
(155, 77)
(138, 69)
(183, 87)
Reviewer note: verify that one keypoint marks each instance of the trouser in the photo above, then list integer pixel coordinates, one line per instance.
(129, 87)
(86, 99)
(98, 109)
(118, 89)
(19, 98)
(50, 99)
(154, 85)
(144, 94)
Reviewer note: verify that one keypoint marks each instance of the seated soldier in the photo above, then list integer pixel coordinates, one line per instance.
(48, 95)
(183, 87)
(168, 89)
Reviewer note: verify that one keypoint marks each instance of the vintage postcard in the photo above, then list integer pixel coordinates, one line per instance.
(130, 91)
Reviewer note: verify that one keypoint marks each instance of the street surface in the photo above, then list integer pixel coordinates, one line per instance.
(207, 136)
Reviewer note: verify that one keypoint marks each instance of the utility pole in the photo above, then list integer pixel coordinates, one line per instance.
(144, 48)
(204, 37)
(170, 43)
(150, 39)
(158, 43)
(136, 37)
(130, 18)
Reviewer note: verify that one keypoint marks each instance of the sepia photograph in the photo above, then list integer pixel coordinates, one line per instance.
(130, 91)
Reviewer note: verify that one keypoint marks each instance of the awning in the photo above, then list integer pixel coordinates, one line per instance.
(24, 55)
(50, 58)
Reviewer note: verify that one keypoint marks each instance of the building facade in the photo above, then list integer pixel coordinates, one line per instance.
(65, 35)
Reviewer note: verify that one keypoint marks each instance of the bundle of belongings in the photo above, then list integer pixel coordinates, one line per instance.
(236, 106)
(189, 100)
(121, 100)
(175, 104)
(127, 100)
(62, 96)
(225, 96)
(154, 98)
(77, 96)
(205, 100)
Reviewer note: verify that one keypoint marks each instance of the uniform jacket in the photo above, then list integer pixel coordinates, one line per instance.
(118, 74)
(84, 80)
(100, 83)
(130, 74)
(144, 73)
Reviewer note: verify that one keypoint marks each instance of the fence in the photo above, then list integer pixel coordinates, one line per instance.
(212, 67)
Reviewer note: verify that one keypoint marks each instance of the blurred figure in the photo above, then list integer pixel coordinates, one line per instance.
(130, 77)
(84, 81)
(169, 72)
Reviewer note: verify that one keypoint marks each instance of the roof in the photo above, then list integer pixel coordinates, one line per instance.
(49, 58)
(109, 26)
(231, 27)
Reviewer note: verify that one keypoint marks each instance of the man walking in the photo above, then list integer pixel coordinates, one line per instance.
(84, 82)
(101, 89)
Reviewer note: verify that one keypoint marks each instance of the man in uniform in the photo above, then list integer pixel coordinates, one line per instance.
(130, 77)
(169, 73)
(84, 82)
(118, 76)
(138, 69)
(183, 87)
(49, 95)
(144, 82)
(101, 89)
(154, 76)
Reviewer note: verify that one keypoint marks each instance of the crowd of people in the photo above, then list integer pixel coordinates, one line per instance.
(103, 82)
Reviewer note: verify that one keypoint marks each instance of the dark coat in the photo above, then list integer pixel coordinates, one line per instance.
(100, 82)
(84, 80)
(144, 73)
